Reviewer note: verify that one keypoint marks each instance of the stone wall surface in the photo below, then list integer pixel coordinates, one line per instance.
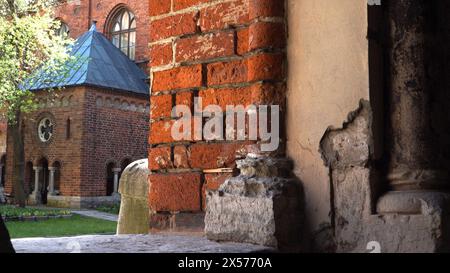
(262, 205)
(328, 75)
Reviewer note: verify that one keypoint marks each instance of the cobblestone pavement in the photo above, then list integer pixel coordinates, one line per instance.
(131, 244)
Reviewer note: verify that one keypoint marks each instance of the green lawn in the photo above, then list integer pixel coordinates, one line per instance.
(13, 211)
(76, 225)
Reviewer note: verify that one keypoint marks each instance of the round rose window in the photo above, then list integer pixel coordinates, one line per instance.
(45, 129)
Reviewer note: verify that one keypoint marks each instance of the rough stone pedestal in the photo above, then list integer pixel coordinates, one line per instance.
(260, 206)
(134, 210)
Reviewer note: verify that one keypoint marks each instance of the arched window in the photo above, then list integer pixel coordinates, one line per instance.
(68, 128)
(122, 30)
(63, 29)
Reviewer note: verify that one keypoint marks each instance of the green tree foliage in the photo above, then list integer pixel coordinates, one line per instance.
(30, 47)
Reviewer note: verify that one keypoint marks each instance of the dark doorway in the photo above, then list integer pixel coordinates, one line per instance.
(43, 180)
(110, 179)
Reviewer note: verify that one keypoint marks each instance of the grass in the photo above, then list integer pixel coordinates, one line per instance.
(114, 209)
(76, 225)
(13, 211)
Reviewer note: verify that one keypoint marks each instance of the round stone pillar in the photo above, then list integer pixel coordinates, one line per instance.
(414, 169)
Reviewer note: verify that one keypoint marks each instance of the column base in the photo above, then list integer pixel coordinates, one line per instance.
(406, 222)
(412, 202)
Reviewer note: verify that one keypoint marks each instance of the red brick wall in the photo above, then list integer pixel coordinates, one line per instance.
(227, 52)
(76, 15)
(101, 132)
(68, 105)
(116, 128)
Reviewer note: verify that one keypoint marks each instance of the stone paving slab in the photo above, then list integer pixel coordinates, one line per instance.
(97, 214)
(152, 243)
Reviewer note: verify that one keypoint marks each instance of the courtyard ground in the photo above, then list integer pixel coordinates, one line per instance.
(155, 243)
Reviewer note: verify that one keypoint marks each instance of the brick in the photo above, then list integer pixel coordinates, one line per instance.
(227, 72)
(175, 192)
(224, 15)
(181, 156)
(183, 4)
(257, 94)
(215, 155)
(265, 8)
(205, 47)
(161, 106)
(185, 98)
(242, 41)
(213, 183)
(158, 7)
(255, 68)
(161, 54)
(175, 25)
(266, 67)
(177, 78)
(161, 132)
(261, 35)
(159, 158)
(226, 96)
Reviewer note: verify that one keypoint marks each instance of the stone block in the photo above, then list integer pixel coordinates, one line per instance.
(134, 209)
(256, 209)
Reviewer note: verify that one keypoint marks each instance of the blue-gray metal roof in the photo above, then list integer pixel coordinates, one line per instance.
(98, 63)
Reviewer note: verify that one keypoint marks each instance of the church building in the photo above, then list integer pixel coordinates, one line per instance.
(94, 123)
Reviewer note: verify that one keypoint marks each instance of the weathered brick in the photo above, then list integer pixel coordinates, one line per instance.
(259, 93)
(215, 155)
(261, 35)
(265, 8)
(243, 41)
(159, 158)
(161, 54)
(266, 67)
(161, 106)
(205, 47)
(175, 25)
(185, 98)
(175, 192)
(181, 156)
(177, 78)
(158, 7)
(212, 183)
(226, 96)
(227, 72)
(224, 15)
(161, 132)
(183, 4)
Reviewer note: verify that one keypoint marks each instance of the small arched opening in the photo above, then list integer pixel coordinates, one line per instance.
(110, 178)
(56, 177)
(43, 181)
